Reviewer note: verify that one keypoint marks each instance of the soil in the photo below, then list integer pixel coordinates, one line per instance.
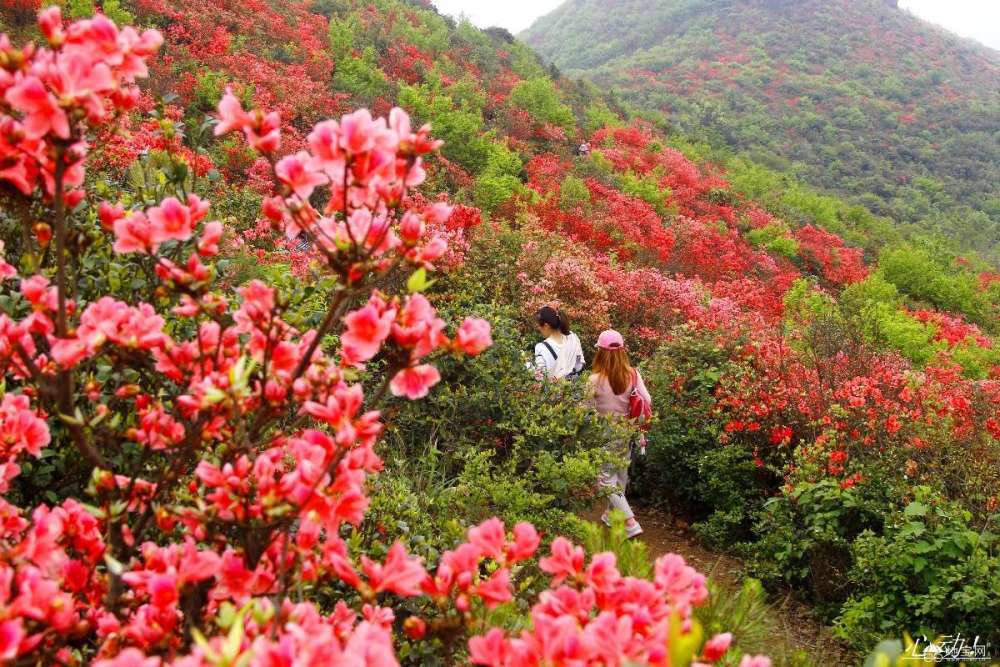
(795, 620)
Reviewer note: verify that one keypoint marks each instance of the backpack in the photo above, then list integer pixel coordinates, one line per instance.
(638, 407)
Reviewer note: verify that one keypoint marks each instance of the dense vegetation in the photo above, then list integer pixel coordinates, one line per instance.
(221, 445)
(854, 96)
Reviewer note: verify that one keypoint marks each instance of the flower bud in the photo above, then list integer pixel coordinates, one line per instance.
(415, 628)
(43, 233)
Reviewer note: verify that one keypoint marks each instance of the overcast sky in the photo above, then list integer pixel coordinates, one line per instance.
(979, 19)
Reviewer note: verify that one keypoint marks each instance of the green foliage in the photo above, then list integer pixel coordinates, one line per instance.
(341, 35)
(632, 556)
(932, 569)
(492, 440)
(573, 194)
(806, 534)
(500, 178)
(646, 188)
(890, 327)
(745, 612)
(362, 77)
(113, 9)
(540, 98)
(209, 86)
(923, 276)
(775, 239)
(598, 115)
(458, 122)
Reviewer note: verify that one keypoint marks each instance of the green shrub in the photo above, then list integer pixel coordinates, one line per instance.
(540, 98)
(573, 194)
(805, 534)
(931, 570)
(775, 239)
(922, 275)
(501, 177)
(646, 188)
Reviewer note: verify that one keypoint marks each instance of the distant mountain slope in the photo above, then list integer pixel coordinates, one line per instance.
(854, 95)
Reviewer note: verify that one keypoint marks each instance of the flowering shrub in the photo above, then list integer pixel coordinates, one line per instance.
(230, 444)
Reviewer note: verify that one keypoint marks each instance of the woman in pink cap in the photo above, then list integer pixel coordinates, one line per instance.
(609, 389)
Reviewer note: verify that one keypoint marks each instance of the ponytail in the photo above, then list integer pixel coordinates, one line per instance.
(553, 318)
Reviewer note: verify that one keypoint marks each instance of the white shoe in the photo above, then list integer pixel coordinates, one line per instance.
(633, 530)
(605, 520)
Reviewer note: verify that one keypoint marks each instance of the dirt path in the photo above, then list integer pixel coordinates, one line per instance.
(797, 625)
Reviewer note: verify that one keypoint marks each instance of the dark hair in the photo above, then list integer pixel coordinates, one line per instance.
(553, 318)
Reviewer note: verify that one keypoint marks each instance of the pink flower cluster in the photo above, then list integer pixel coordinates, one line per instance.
(49, 96)
(413, 325)
(595, 616)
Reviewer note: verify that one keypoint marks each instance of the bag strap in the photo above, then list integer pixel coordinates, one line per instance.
(555, 357)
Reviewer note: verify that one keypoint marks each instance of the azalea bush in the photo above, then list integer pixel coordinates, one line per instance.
(722, 488)
(229, 439)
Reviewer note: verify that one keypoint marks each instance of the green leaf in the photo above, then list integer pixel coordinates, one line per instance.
(418, 282)
(916, 508)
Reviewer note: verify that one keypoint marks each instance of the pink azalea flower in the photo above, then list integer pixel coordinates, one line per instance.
(109, 214)
(231, 115)
(11, 635)
(473, 336)
(39, 293)
(172, 220)
(400, 574)
(359, 133)
(602, 573)
(717, 646)
(130, 657)
(491, 649)
(565, 561)
(266, 137)
(496, 590)
(525, 543)
(134, 234)
(20, 427)
(39, 107)
(367, 328)
(414, 382)
(489, 537)
(51, 24)
(17, 173)
(294, 172)
(418, 326)
(68, 352)
(755, 661)
(327, 156)
(208, 244)
(411, 228)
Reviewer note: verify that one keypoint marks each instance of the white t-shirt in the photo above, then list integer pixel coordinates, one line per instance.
(568, 356)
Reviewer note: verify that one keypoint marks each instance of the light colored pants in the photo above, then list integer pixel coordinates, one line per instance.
(613, 477)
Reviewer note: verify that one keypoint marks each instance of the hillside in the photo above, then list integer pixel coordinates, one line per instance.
(855, 96)
(264, 396)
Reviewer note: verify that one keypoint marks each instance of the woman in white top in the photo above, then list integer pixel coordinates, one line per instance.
(560, 355)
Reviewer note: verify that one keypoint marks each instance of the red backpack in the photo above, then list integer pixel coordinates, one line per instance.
(638, 407)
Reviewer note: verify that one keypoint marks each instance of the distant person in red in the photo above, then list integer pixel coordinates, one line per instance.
(609, 392)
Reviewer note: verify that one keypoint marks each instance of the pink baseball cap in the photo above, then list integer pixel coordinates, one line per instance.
(610, 340)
